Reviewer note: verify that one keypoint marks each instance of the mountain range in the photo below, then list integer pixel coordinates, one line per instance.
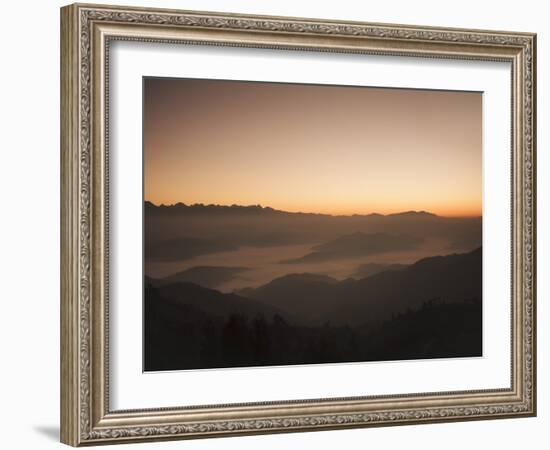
(431, 308)
(313, 298)
(186, 232)
(374, 298)
(356, 245)
(206, 276)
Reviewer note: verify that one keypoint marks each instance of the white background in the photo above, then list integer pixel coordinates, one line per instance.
(132, 389)
(29, 238)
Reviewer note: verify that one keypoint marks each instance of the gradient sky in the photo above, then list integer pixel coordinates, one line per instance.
(326, 149)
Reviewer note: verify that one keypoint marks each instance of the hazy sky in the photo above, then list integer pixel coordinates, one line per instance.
(329, 149)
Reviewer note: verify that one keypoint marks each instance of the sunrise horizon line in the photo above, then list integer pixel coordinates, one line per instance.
(270, 208)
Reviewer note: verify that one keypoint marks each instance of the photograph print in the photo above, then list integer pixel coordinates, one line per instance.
(291, 224)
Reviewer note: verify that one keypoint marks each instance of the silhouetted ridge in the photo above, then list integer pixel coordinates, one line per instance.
(412, 214)
(357, 244)
(294, 278)
(295, 294)
(206, 276)
(201, 208)
(259, 209)
(186, 247)
(439, 262)
(369, 269)
(448, 278)
(210, 301)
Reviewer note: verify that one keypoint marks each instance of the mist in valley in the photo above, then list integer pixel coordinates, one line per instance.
(268, 244)
(234, 286)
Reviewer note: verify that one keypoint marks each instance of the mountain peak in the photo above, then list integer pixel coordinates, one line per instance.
(258, 209)
(412, 213)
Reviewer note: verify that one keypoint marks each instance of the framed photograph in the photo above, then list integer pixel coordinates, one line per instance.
(273, 224)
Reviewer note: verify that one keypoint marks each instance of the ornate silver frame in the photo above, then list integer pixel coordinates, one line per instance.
(86, 31)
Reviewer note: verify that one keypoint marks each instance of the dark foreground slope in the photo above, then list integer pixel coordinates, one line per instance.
(431, 309)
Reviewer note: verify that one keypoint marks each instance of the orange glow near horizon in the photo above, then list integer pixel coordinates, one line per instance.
(305, 148)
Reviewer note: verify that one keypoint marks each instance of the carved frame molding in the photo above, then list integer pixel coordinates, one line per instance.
(86, 31)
